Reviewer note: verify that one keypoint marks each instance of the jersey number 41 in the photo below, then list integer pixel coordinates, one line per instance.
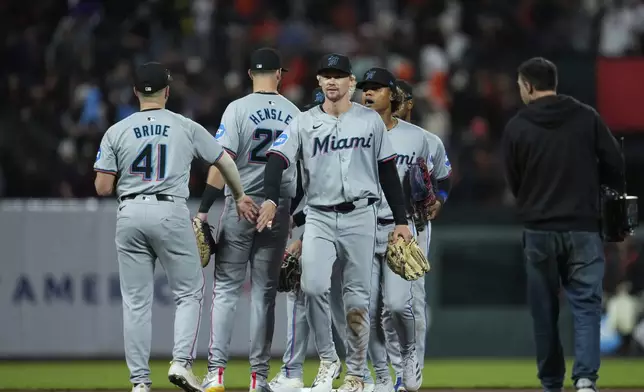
(144, 166)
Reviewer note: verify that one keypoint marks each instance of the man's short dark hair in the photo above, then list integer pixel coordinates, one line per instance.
(540, 73)
(262, 72)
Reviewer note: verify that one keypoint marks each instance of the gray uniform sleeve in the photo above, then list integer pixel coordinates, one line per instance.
(228, 133)
(384, 150)
(442, 167)
(105, 157)
(204, 144)
(287, 145)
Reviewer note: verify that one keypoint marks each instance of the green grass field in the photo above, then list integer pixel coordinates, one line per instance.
(466, 373)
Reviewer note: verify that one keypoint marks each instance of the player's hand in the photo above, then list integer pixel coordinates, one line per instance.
(403, 231)
(247, 209)
(434, 209)
(295, 248)
(203, 216)
(266, 215)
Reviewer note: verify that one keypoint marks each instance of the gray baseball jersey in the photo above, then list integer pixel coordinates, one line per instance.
(438, 156)
(152, 150)
(410, 142)
(338, 162)
(248, 128)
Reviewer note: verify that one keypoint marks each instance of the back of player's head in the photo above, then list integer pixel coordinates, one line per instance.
(265, 60)
(540, 73)
(151, 78)
(406, 89)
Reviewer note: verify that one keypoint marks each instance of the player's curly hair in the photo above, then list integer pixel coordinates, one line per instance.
(398, 97)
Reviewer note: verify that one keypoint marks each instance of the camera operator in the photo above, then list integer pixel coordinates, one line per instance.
(557, 153)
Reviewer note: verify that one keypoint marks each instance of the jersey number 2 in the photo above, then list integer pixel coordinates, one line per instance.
(142, 164)
(266, 138)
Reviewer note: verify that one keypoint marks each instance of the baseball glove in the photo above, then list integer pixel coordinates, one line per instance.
(205, 242)
(289, 274)
(420, 192)
(406, 258)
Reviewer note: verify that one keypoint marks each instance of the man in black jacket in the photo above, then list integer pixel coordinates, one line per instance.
(557, 153)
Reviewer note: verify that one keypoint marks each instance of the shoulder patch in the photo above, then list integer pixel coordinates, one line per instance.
(98, 154)
(220, 131)
(281, 139)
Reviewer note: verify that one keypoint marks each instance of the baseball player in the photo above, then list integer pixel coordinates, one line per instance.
(289, 379)
(380, 92)
(151, 152)
(248, 128)
(346, 160)
(441, 173)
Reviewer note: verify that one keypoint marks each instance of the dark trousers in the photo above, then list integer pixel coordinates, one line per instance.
(574, 261)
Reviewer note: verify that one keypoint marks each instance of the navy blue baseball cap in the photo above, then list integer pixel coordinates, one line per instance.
(318, 99)
(378, 76)
(335, 62)
(266, 59)
(406, 88)
(151, 77)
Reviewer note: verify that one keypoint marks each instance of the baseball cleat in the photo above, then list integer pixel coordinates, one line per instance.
(214, 381)
(585, 385)
(398, 386)
(352, 384)
(258, 384)
(184, 378)
(327, 372)
(141, 388)
(281, 383)
(412, 376)
(383, 385)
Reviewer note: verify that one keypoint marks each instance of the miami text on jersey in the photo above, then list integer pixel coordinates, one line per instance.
(405, 159)
(322, 145)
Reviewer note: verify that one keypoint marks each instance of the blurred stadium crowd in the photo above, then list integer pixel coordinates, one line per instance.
(67, 67)
(68, 64)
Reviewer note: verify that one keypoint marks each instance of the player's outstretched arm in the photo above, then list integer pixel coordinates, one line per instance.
(214, 184)
(272, 181)
(246, 207)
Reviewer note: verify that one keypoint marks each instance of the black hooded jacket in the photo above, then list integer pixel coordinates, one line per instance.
(557, 152)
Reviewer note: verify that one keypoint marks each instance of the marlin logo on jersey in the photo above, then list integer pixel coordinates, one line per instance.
(405, 160)
(220, 131)
(322, 145)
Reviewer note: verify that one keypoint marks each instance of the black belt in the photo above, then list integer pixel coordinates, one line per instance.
(159, 197)
(344, 208)
(385, 222)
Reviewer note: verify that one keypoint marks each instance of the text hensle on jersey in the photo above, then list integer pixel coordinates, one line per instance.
(269, 114)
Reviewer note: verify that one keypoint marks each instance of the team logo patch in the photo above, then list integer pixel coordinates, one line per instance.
(98, 154)
(220, 131)
(447, 162)
(333, 61)
(281, 139)
(370, 75)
